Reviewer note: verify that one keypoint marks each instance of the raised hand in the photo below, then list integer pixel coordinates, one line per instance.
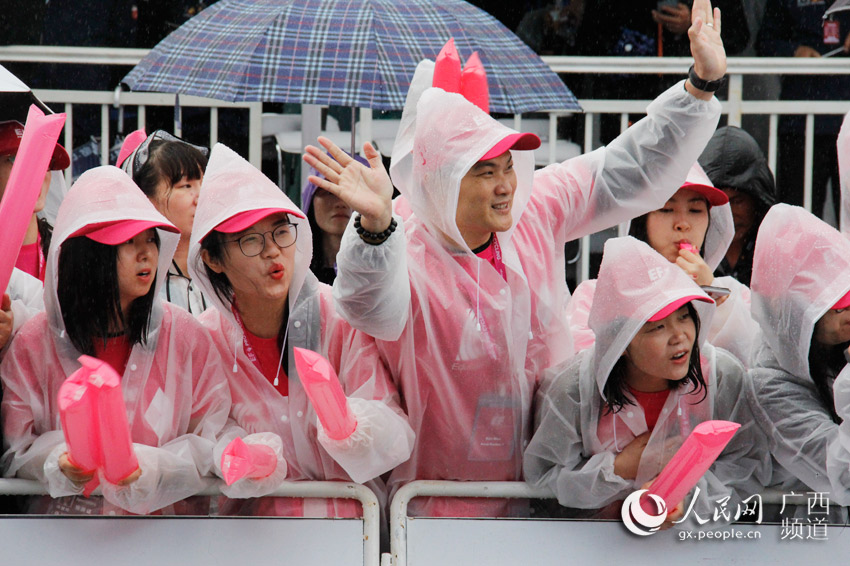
(368, 190)
(706, 45)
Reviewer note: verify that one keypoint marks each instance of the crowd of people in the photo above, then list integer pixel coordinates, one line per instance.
(444, 312)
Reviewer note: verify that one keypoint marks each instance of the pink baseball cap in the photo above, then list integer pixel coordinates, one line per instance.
(11, 133)
(243, 220)
(513, 141)
(675, 305)
(699, 182)
(842, 303)
(118, 232)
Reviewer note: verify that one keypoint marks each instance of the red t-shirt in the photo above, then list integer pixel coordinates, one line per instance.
(268, 361)
(492, 253)
(651, 403)
(116, 352)
(29, 260)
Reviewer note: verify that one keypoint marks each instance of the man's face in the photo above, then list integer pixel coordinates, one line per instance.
(6, 162)
(485, 200)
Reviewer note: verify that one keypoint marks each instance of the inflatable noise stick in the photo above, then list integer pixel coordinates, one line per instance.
(94, 421)
(241, 460)
(473, 83)
(687, 246)
(325, 393)
(447, 68)
(689, 464)
(24, 185)
(77, 413)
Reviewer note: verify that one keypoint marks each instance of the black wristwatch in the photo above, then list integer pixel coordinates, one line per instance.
(702, 84)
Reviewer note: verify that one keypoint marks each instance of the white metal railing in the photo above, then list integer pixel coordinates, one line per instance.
(735, 107)
(499, 490)
(300, 489)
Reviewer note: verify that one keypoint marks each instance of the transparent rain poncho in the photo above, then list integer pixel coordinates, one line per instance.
(843, 148)
(260, 414)
(26, 293)
(800, 270)
(466, 345)
(577, 438)
(733, 327)
(174, 385)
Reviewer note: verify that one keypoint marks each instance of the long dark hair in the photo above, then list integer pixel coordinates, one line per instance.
(825, 362)
(318, 265)
(213, 243)
(169, 160)
(615, 387)
(90, 299)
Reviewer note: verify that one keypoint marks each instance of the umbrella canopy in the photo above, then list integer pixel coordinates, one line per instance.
(358, 53)
(16, 97)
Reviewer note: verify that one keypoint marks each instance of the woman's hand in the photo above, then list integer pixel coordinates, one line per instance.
(706, 46)
(692, 264)
(626, 462)
(806, 51)
(368, 190)
(131, 478)
(72, 472)
(676, 19)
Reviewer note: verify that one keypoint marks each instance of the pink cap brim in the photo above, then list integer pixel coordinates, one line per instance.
(133, 140)
(675, 305)
(114, 233)
(843, 302)
(513, 141)
(243, 220)
(715, 196)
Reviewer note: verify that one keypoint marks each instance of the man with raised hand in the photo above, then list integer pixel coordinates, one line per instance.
(466, 293)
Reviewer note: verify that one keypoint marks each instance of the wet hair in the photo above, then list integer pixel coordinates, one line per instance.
(825, 362)
(637, 229)
(213, 243)
(318, 265)
(615, 387)
(45, 232)
(89, 297)
(171, 161)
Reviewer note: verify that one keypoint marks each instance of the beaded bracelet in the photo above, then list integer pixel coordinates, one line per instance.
(371, 237)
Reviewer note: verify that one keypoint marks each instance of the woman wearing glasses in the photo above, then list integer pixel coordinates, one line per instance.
(169, 171)
(250, 253)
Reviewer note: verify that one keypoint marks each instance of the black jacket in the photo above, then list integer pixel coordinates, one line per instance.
(733, 160)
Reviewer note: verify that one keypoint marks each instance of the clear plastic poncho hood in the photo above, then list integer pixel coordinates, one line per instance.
(635, 282)
(800, 269)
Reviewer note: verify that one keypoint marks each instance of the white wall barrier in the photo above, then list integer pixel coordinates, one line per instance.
(202, 541)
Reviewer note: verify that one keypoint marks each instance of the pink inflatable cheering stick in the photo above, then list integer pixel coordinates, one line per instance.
(473, 83)
(118, 458)
(77, 412)
(133, 140)
(24, 185)
(687, 246)
(447, 68)
(241, 460)
(690, 463)
(322, 387)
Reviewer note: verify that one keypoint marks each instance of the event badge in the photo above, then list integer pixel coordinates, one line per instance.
(831, 32)
(494, 431)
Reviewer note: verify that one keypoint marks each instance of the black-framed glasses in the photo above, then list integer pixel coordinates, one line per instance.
(254, 243)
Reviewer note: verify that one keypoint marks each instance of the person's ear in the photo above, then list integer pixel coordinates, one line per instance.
(213, 264)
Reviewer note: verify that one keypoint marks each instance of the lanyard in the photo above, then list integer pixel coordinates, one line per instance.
(249, 350)
(497, 258)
